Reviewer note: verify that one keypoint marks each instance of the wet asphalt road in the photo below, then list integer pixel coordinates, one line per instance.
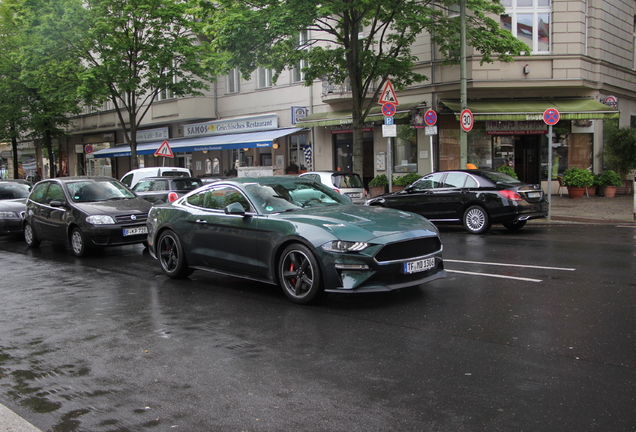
(107, 343)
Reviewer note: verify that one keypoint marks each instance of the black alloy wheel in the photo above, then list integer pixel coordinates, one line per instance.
(299, 274)
(171, 256)
(476, 220)
(29, 236)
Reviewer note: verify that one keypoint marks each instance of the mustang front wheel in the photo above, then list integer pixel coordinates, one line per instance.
(299, 274)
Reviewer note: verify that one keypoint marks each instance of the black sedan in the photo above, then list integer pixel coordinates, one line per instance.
(85, 212)
(476, 198)
(159, 190)
(13, 195)
(293, 232)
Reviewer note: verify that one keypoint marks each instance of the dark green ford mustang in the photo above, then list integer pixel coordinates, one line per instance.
(296, 233)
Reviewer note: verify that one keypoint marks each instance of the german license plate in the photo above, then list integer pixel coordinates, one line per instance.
(419, 265)
(534, 194)
(354, 195)
(135, 231)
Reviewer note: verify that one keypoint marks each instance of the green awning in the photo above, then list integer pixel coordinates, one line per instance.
(336, 118)
(523, 110)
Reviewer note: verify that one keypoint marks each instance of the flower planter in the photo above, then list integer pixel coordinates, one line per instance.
(375, 191)
(609, 191)
(576, 192)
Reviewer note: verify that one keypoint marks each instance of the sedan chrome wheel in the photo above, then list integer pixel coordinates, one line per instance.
(476, 220)
(171, 257)
(299, 274)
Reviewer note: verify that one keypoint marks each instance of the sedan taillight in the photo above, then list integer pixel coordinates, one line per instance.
(172, 196)
(511, 195)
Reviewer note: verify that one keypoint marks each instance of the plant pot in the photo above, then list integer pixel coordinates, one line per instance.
(609, 191)
(592, 190)
(375, 191)
(576, 193)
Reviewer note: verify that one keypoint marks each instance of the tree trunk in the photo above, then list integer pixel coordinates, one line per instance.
(14, 148)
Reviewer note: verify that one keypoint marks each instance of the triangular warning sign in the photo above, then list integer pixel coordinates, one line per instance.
(164, 150)
(388, 94)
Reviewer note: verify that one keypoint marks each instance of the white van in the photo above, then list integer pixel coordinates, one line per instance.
(131, 178)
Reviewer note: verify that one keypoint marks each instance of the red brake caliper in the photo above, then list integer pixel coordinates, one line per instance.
(291, 269)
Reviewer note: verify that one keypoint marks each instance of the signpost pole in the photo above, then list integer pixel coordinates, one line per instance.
(389, 162)
(550, 172)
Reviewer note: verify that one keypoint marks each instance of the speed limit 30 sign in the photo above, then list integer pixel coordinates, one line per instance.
(466, 120)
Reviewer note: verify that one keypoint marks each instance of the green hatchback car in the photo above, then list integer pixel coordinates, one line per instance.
(296, 233)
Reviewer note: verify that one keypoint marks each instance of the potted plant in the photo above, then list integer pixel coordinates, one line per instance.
(378, 185)
(508, 170)
(577, 180)
(610, 180)
(405, 180)
(592, 189)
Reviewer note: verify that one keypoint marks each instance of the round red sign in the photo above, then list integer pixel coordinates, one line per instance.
(466, 120)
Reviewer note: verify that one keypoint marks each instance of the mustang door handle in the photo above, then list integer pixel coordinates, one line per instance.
(201, 221)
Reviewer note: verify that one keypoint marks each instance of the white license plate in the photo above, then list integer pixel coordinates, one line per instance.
(354, 195)
(534, 194)
(135, 231)
(419, 265)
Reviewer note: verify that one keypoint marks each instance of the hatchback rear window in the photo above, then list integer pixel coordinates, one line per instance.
(345, 181)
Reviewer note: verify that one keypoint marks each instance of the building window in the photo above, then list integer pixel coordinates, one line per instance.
(405, 150)
(233, 81)
(165, 94)
(530, 22)
(264, 77)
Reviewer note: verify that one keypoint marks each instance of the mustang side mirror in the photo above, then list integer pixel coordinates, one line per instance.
(235, 209)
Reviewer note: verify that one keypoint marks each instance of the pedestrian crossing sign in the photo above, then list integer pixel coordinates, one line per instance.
(388, 94)
(164, 150)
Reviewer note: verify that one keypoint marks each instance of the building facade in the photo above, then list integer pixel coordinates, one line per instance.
(583, 63)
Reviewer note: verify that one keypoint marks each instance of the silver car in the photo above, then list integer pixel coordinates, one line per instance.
(345, 183)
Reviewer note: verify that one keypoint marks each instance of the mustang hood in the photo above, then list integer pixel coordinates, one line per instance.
(362, 223)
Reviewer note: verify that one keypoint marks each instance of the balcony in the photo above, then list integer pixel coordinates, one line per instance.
(333, 93)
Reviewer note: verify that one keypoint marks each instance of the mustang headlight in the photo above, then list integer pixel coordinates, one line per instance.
(344, 246)
(9, 215)
(100, 220)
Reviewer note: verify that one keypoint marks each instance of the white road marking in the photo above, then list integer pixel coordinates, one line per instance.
(494, 275)
(510, 265)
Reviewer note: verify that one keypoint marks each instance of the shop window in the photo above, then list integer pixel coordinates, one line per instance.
(530, 22)
(405, 150)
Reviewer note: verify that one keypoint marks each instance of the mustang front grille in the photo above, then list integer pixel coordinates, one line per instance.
(408, 249)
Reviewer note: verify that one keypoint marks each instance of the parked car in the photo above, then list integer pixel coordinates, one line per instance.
(131, 178)
(85, 212)
(13, 195)
(345, 183)
(159, 190)
(476, 198)
(296, 233)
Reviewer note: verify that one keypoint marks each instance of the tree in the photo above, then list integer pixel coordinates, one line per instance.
(619, 151)
(132, 51)
(41, 75)
(334, 49)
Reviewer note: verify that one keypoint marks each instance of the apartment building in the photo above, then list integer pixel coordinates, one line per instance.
(583, 63)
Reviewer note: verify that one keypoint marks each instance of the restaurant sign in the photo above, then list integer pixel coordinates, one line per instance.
(237, 125)
(514, 127)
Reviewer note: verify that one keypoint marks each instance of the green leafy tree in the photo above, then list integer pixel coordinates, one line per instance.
(266, 33)
(41, 75)
(132, 51)
(619, 150)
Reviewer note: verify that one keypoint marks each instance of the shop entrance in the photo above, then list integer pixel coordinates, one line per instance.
(343, 154)
(522, 152)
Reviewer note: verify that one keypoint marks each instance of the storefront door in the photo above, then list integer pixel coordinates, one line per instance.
(527, 158)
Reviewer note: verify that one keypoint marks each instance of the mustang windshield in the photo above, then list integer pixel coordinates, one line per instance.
(285, 196)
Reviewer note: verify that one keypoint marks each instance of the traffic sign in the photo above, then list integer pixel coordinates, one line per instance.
(164, 150)
(388, 94)
(388, 121)
(88, 149)
(611, 101)
(466, 120)
(388, 109)
(430, 117)
(551, 116)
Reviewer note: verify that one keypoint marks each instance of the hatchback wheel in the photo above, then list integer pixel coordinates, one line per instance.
(476, 220)
(299, 274)
(78, 243)
(171, 256)
(30, 237)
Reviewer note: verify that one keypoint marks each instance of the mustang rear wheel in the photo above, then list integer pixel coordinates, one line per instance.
(476, 220)
(30, 237)
(299, 274)
(171, 256)
(514, 226)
